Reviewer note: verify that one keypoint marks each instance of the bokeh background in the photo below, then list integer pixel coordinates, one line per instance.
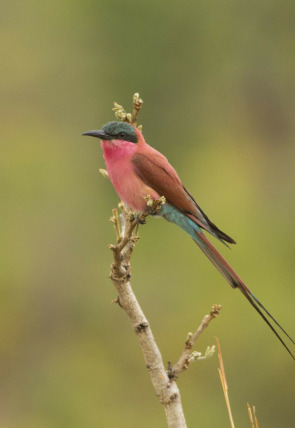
(217, 79)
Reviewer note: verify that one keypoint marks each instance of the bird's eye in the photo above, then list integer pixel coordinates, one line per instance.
(122, 134)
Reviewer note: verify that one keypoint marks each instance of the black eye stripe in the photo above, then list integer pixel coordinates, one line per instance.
(123, 136)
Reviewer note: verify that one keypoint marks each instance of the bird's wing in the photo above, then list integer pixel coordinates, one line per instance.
(154, 170)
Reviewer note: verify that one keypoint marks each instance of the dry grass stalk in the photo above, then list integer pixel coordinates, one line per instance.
(252, 417)
(224, 384)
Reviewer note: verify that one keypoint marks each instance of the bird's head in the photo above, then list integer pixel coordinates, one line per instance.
(115, 131)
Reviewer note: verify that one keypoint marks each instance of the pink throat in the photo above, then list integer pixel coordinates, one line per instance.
(117, 149)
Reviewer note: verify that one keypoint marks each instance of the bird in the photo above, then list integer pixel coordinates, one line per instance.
(136, 170)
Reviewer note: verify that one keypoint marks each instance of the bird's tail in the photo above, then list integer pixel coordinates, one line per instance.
(236, 282)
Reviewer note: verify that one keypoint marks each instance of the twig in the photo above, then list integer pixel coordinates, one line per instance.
(224, 384)
(115, 221)
(121, 114)
(137, 103)
(187, 357)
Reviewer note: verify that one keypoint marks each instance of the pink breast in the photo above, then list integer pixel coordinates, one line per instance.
(131, 189)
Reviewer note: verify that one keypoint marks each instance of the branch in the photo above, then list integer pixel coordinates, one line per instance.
(187, 357)
(121, 114)
(165, 388)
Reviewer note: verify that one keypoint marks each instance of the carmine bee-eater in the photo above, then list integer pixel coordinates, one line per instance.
(137, 170)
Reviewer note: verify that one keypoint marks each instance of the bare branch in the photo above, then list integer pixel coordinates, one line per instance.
(187, 357)
(165, 388)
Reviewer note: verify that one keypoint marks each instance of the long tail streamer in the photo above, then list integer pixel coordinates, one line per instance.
(235, 281)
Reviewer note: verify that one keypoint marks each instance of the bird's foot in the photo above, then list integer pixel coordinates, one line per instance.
(141, 218)
(153, 207)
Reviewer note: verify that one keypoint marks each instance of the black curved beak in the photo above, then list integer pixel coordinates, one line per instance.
(97, 134)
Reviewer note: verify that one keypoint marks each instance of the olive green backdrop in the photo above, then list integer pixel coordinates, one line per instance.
(217, 79)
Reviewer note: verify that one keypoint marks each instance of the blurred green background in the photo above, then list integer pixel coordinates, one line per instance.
(217, 80)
